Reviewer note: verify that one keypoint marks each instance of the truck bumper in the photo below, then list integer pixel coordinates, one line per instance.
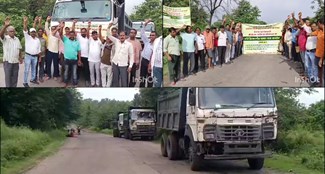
(142, 134)
(237, 156)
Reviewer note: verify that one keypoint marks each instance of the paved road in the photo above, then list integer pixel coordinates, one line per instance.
(49, 83)
(248, 71)
(101, 154)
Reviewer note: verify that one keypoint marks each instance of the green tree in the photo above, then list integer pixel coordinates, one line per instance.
(149, 9)
(39, 108)
(318, 5)
(245, 13)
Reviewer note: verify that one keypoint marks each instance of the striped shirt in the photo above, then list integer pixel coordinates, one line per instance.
(11, 49)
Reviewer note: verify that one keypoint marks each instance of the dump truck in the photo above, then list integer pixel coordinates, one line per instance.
(141, 123)
(118, 124)
(200, 124)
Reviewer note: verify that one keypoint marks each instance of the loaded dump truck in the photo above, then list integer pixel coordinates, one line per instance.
(118, 125)
(140, 123)
(217, 124)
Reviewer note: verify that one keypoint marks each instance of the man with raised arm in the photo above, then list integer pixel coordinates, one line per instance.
(122, 59)
(72, 56)
(106, 57)
(32, 53)
(53, 50)
(83, 38)
(41, 60)
(95, 45)
(146, 55)
(11, 53)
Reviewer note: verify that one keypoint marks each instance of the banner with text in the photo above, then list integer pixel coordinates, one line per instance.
(176, 16)
(261, 39)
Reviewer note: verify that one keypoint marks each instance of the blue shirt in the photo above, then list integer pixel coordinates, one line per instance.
(188, 42)
(229, 36)
(294, 35)
(71, 48)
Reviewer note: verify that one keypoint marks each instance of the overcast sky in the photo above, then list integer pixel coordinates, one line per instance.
(128, 94)
(130, 4)
(278, 10)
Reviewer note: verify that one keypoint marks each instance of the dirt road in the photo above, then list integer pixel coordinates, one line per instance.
(248, 71)
(93, 153)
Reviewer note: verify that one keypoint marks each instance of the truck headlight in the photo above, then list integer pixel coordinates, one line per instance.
(209, 132)
(133, 127)
(268, 130)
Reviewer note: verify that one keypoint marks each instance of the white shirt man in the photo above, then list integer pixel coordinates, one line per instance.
(222, 39)
(200, 41)
(94, 60)
(122, 59)
(157, 62)
(32, 51)
(11, 54)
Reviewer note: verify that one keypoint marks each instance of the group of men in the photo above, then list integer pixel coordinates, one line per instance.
(217, 46)
(303, 41)
(110, 61)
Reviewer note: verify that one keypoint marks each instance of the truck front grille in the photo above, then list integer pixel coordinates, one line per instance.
(145, 128)
(238, 133)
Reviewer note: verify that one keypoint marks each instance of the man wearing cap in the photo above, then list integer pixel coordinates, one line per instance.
(11, 54)
(53, 50)
(123, 53)
(32, 53)
(209, 44)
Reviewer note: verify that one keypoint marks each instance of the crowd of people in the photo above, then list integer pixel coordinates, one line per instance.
(303, 41)
(110, 61)
(218, 46)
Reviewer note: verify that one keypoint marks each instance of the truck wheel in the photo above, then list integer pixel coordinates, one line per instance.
(172, 147)
(118, 134)
(163, 147)
(256, 163)
(115, 133)
(131, 136)
(126, 135)
(194, 159)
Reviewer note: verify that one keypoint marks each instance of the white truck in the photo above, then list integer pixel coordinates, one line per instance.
(141, 123)
(217, 124)
(99, 12)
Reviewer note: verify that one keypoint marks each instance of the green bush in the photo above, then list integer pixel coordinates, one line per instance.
(304, 145)
(18, 143)
(107, 131)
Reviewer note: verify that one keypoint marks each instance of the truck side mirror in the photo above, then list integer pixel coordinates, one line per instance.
(192, 100)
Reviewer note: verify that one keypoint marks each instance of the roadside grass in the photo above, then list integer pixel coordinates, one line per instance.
(104, 131)
(1, 58)
(288, 164)
(107, 131)
(22, 148)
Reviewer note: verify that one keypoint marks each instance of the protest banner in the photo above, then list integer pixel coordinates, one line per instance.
(261, 39)
(176, 16)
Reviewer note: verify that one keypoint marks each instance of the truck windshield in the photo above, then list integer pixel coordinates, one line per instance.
(139, 26)
(145, 115)
(87, 10)
(214, 98)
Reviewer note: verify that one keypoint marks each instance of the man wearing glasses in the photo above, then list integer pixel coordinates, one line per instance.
(11, 54)
(146, 55)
